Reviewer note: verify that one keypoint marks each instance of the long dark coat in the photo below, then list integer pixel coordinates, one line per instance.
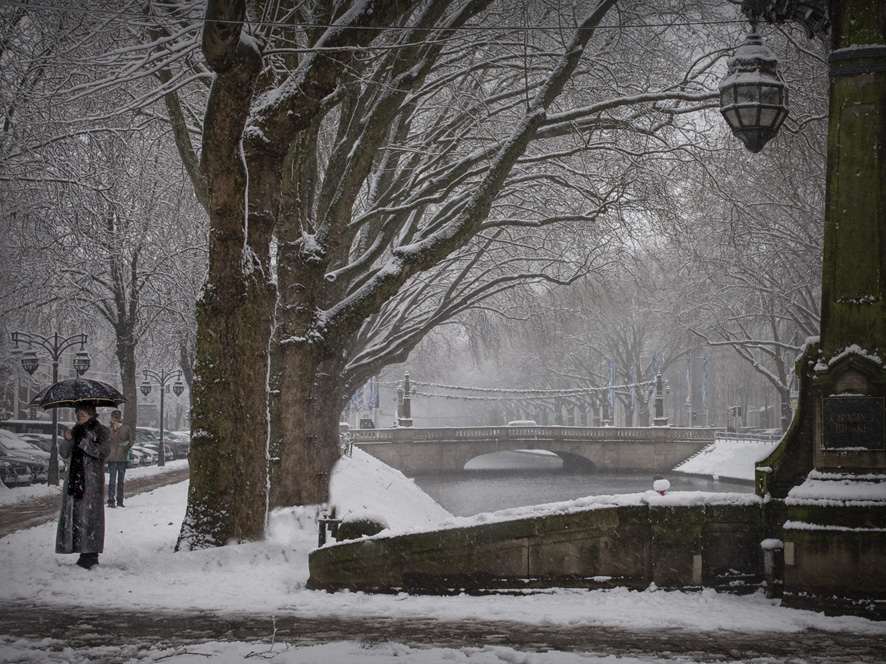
(81, 524)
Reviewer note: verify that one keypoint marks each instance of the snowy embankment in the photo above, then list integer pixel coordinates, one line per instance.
(140, 571)
(729, 459)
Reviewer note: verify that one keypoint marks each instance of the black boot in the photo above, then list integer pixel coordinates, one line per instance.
(88, 560)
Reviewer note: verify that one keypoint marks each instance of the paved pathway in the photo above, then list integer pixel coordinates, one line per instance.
(30, 513)
(91, 627)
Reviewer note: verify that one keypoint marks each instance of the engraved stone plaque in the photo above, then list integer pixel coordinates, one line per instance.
(854, 423)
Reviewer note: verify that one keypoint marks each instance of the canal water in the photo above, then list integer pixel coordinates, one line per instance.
(517, 479)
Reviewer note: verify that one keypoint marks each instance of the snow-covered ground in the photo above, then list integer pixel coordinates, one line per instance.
(140, 571)
(729, 459)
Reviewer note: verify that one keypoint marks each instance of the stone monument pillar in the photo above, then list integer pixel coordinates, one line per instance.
(826, 482)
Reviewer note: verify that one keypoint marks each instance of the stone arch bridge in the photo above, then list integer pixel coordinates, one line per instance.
(632, 449)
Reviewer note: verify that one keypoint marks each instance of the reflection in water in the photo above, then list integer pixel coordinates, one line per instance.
(517, 479)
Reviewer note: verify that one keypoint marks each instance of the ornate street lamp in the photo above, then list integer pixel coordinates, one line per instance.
(55, 346)
(81, 362)
(753, 94)
(30, 362)
(162, 378)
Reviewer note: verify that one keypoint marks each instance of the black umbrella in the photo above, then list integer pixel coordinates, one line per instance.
(68, 393)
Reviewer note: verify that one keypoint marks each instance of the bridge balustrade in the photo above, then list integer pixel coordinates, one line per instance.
(443, 434)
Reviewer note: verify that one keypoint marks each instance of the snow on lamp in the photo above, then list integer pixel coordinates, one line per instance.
(753, 94)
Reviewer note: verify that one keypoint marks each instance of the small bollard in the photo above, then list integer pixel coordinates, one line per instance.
(323, 521)
(773, 567)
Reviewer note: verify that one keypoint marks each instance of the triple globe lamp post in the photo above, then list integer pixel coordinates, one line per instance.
(54, 346)
(162, 377)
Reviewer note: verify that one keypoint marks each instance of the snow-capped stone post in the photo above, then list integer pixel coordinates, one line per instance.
(661, 486)
(406, 414)
(823, 481)
(660, 419)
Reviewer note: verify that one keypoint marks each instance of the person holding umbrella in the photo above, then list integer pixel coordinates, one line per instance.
(81, 524)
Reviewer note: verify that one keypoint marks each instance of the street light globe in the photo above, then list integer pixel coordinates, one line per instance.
(178, 387)
(145, 388)
(753, 94)
(81, 362)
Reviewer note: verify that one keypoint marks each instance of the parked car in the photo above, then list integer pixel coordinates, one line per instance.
(14, 473)
(43, 441)
(150, 438)
(136, 458)
(179, 442)
(34, 426)
(145, 456)
(36, 459)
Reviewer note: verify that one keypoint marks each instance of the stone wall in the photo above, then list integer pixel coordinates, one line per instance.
(672, 546)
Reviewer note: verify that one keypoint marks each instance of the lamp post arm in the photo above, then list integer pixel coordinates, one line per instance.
(55, 346)
(813, 16)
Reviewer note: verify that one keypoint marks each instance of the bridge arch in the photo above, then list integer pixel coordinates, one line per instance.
(575, 463)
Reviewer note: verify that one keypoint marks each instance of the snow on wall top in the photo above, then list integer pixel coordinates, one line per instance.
(733, 459)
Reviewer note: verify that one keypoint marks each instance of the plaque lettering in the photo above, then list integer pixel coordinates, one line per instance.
(854, 423)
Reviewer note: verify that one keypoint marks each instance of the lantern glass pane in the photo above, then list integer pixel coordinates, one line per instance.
(782, 115)
(731, 116)
(770, 95)
(746, 94)
(748, 116)
(768, 116)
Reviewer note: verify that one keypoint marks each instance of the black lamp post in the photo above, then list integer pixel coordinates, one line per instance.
(55, 346)
(162, 377)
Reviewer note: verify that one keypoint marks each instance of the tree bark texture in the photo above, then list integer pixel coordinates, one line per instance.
(227, 497)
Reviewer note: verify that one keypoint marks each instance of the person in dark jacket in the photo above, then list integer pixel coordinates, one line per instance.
(81, 524)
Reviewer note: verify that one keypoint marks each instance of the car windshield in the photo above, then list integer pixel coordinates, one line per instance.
(12, 442)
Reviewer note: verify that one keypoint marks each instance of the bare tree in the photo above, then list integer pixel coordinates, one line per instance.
(364, 148)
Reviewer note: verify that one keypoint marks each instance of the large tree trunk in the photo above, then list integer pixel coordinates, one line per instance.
(307, 414)
(126, 359)
(227, 497)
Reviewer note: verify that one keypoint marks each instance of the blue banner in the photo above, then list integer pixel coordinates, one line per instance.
(367, 397)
